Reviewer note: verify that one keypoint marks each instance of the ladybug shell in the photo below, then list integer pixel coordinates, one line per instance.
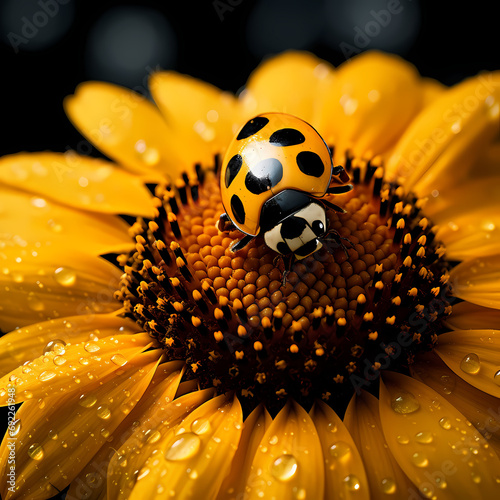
(272, 152)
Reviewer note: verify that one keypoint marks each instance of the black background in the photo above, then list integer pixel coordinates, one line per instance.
(453, 42)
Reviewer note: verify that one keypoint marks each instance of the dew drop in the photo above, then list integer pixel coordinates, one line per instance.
(59, 360)
(496, 377)
(273, 440)
(46, 375)
(91, 347)
(470, 364)
(65, 276)
(284, 467)
(152, 436)
(403, 439)
(41, 403)
(301, 494)
(340, 451)
(87, 401)
(352, 482)
(185, 446)
(119, 359)
(105, 433)
(103, 412)
(35, 451)
(404, 402)
(424, 437)
(200, 426)
(52, 434)
(445, 423)
(122, 460)
(420, 459)
(388, 486)
(143, 473)
(449, 383)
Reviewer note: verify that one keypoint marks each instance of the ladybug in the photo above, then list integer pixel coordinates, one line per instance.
(274, 177)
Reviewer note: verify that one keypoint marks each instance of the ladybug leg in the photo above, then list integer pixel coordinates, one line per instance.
(224, 223)
(288, 262)
(336, 238)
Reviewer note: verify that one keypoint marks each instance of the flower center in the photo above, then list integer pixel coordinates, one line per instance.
(337, 321)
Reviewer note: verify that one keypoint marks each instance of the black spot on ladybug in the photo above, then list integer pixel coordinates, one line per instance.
(310, 163)
(264, 175)
(252, 127)
(286, 137)
(318, 227)
(232, 169)
(292, 227)
(238, 209)
(307, 249)
(282, 248)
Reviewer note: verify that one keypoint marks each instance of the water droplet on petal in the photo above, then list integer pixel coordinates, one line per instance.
(200, 426)
(340, 451)
(143, 473)
(424, 437)
(119, 359)
(496, 377)
(103, 412)
(403, 439)
(420, 459)
(45, 376)
(352, 482)
(185, 446)
(52, 434)
(284, 467)
(56, 346)
(35, 451)
(470, 364)
(445, 423)
(404, 402)
(91, 347)
(388, 486)
(65, 276)
(152, 436)
(87, 401)
(59, 360)
(122, 460)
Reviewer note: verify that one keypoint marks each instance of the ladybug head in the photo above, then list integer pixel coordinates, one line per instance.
(299, 233)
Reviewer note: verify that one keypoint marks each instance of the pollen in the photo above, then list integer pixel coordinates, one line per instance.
(336, 313)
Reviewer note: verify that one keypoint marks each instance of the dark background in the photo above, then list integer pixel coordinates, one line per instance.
(49, 46)
(219, 41)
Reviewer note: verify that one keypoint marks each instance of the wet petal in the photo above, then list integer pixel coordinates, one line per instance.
(126, 127)
(202, 115)
(152, 437)
(473, 355)
(369, 103)
(80, 365)
(40, 288)
(436, 446)
(481, 409)
(30, 342)
(254, 428)
(466, 315)
(91, 482)
(198, 454)
(451, 131)
(59, 435)
(341, 456)
(385, 477)
(78, 181)
(478, 281)
(290, 83)
(289, 460)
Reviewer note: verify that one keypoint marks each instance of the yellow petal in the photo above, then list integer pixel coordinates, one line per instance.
(198, 454)
(151, 434)
(290, 83)
(203, 117)
(478, 281)
(369, 103)
(473, 355)
(78, 366)
(78, 181)
(91, 481)
(125, 126)
(466, 315)
(385, 477)
(431, 90)
(289, 461)
(488, 164)
(448, 134)
(341, 456)
(481, 409)
(30, 342)
(59, 435)
(40, 288)
(436, 446)
(254, 428)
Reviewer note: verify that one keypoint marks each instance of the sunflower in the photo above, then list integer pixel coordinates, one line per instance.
(152, 361)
